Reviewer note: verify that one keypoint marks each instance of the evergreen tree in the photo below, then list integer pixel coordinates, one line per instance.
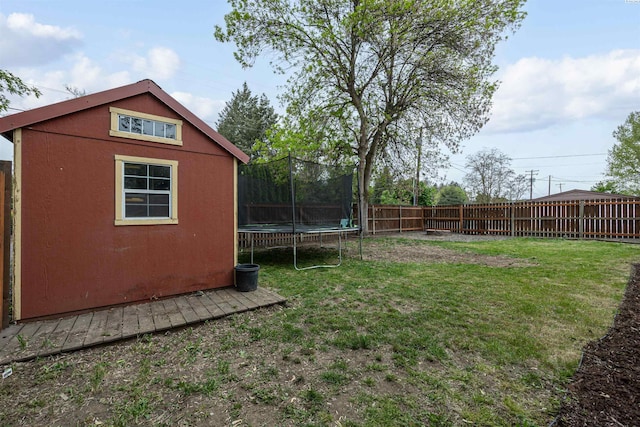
(245, 119)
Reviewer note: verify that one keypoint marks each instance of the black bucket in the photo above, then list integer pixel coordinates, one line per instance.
(247, 277)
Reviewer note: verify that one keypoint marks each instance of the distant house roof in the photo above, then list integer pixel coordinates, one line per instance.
(581, 195)
(74, 105)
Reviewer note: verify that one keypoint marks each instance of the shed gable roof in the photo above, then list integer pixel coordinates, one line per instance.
(36, 115)
(581, 195)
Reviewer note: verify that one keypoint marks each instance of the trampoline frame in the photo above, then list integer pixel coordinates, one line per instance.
(275, 229)
(295, 229)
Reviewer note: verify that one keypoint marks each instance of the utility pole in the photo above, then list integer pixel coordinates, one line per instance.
(532, 172)
(560, 185)
(548, 194)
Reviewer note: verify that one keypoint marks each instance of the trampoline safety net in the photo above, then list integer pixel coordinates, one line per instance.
(294, 194)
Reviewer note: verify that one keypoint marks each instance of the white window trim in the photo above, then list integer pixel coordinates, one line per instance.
(119, 191)
(113, 131)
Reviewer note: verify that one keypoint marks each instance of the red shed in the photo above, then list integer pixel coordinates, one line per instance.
(120, 196)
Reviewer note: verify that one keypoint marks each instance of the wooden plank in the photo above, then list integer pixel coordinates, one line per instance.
(130, 325)
(145, 318)
(20, 345)
(173, 313)
(95, 334)
(268, 297)
(195, 301)
(7, 334)
(59, 336)
(252, 299)
(41, 339)
(210, 300)
(160, 318)
(190, 316)
(223, 302)
(76, 336)
(113, 327)
(236, 303)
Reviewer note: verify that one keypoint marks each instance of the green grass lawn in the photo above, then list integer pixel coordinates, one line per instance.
(419, 333)
(469, 343)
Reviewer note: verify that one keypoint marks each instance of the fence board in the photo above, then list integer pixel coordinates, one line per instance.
(586, 219)
(589, 219)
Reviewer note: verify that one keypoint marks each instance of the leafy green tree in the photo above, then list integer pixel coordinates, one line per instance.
(245, 119)
(383, 182)
(606, 187)
(490, 178)
(451, 194)
(363, 65)
(427, 195)
(623, 163)
(11, 84)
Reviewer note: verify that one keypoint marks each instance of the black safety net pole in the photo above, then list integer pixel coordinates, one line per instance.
(293, 197)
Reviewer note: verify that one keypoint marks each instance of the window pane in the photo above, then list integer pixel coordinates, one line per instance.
(160, 171)
(136, 199)
(136, 125)
(135, 169)
(136, 211)
(159, 199)
(147, 127)
(123, 123)
(159, 129)
(131, 183)
(170, 131)
(159, 211)
(159, 184)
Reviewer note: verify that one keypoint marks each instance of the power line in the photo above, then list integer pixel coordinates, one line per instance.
(559, 157)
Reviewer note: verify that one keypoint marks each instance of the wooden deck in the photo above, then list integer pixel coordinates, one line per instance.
(26, 341)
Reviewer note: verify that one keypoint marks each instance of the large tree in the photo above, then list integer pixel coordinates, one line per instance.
(623, 163)
(13, 85)
(245, 119)
(491, 179)
(451, 194)
(363, 65)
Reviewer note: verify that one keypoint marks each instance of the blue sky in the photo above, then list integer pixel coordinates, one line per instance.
(570, 75)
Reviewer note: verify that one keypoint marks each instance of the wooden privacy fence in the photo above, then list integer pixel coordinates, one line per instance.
(584, 219)
(386, 218)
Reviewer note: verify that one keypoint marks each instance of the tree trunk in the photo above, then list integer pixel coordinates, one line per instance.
(363, 203)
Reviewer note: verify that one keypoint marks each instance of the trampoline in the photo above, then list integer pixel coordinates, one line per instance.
(296, 197)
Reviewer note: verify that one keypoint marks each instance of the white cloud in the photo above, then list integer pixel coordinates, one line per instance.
(80, 72)
(25, 42)
(537, 93)
(160, 63)
(205, 108)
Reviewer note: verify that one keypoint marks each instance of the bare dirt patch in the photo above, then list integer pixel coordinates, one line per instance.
(385, 251)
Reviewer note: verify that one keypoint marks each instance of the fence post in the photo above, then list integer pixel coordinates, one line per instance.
(512, 222)
(581, 223)
(461, 226)
(373, 216)
(400, 218)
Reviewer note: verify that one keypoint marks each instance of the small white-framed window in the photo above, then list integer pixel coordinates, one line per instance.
(146, 191)
(145, 127)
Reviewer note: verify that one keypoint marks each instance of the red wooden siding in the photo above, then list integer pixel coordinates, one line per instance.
(75, 258)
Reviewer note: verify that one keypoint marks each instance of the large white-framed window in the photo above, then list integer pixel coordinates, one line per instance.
(146, 191)
(145, 127)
